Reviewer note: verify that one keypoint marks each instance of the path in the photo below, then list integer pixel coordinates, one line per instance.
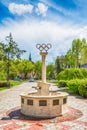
(11, 98)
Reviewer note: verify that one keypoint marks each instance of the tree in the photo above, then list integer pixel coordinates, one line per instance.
(10, 51)
(38, 69)
(70, 59)
(1, 51)
(2, 70)
(84, 42)
(76, 50)
(14, 72)
(25, 67)
(74, 57)
(84, 51)
(50, 71)
(59, 64)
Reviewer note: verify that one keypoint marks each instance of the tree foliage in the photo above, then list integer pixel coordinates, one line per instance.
(38, 69)
(9, 51)
(76, 50)
(25, 66)
(50, 71)
(84, 51)
(77, 54)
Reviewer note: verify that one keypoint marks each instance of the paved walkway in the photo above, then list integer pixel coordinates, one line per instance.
(10, 99)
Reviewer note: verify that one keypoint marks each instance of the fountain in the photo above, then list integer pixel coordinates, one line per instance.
(44, 103)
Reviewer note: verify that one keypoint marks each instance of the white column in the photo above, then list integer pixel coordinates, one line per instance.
(43, 54)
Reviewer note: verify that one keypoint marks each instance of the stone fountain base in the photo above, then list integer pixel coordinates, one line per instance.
(44, 106)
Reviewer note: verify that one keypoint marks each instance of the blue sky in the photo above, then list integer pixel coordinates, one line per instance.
(43, 21)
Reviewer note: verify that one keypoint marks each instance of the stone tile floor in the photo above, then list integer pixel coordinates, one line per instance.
(75, 119)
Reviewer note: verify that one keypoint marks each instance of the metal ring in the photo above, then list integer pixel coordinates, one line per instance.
(37, 46)
(46, 48)
(49, 45)
(43, 47)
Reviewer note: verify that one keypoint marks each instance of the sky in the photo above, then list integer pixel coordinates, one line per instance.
(34, 22)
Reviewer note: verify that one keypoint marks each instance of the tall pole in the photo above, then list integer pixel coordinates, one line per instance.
(43, 54)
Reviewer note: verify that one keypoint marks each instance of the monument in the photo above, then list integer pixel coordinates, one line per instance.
(44, 103)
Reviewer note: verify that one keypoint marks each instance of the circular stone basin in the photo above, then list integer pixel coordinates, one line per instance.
(44, 106)
(71, 115)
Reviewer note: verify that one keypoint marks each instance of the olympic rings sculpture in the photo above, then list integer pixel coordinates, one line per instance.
(43, 47)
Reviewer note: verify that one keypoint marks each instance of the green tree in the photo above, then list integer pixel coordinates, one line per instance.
(25, 67)
(76, 50)
(84, 51)
(84, 42)
(50, 71)
(59, 64)
(1, 51)
(14, 72)
(10, 51)
(2, 70)
(38, 69)
(70, 59)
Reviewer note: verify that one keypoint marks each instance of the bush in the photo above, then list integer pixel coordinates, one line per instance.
(62, 83)
(3, 83)
(75, 80)
(73, 85)
(83, 88)
(74, 73)
(78, 86)
(14, 83)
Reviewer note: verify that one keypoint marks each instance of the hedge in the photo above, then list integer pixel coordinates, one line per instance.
(83, 89)
(62, 83)
(74, 73)
(73, 85)
(78, 86)
(3, 83)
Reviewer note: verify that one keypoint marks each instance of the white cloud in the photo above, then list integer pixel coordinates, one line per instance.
(20, 9)
(41, 9)
(60, 8)
(28, 33)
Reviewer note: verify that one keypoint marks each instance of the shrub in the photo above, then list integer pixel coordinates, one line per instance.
(78, 86)
(75, 80)
(83, 88)
(3, 83)
(73, 85)
(62, 83)
(14, 82)
(74, 73)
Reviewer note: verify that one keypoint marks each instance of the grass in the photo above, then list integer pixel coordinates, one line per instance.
(3, 88)
(12, 84)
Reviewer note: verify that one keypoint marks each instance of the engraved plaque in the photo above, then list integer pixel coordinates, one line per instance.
(64, 101)
(42, 103)
(55, 102)
(29, 102)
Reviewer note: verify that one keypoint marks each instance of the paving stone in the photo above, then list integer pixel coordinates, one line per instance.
(10, 99)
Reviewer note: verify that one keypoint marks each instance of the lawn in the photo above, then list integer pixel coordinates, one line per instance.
(12, 83)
